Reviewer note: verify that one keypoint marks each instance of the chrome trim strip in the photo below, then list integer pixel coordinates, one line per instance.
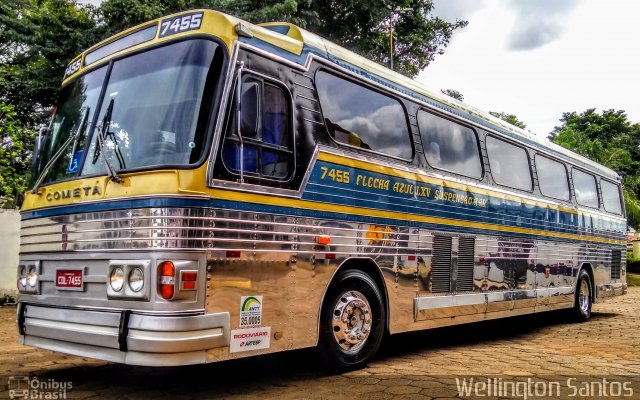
(430, 307)
(114, 355)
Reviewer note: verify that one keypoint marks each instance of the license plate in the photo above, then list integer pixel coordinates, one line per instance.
(69, 279)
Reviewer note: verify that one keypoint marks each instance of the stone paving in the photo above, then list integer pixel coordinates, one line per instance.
(535, 351)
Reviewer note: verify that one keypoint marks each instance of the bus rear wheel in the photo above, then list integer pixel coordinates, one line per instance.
(352, 321)
(583, 301)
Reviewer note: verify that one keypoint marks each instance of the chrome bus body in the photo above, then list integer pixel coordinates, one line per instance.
(443, 249)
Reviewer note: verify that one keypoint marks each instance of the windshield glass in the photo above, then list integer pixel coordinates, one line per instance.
(156, 100)
(75, 100)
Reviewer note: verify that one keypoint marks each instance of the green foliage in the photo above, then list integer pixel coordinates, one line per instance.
(15, 155)
(633, 264)
(38, 39)
(510, 118)
(453, 93)
(610, 139)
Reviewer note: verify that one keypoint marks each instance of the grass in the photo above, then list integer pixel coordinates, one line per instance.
(633, 279)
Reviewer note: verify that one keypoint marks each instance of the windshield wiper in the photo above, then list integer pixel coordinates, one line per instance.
(102, 132)
(58, 154)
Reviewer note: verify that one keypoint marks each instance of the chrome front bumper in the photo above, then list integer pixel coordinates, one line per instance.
(123, 336)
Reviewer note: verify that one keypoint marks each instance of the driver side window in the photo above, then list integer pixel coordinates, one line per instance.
(267, 154)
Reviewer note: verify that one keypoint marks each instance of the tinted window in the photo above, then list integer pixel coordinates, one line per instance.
(552, 178)
(509, 164)
(449, 146)
(268, 154)
(611, 197)
(360, 117)
(585, 187)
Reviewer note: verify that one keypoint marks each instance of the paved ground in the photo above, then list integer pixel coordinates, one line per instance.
(536, 351)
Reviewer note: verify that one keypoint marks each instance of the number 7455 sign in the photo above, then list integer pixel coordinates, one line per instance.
(181, 23)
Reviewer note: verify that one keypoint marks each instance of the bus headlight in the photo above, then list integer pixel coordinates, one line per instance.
(116, 279)
(32, 277)
(136, 279)
(22, 277)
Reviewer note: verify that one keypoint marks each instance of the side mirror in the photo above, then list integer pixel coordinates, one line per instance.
(249, 109)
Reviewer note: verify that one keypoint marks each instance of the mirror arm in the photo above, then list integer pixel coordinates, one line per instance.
(239, 117)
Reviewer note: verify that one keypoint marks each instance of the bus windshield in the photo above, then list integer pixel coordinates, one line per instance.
(155, 99)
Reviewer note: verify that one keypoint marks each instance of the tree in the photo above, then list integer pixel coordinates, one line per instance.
(38, 39)
(453, 93)
(510, 118)
(15, 155)
(610, 139)
(360, 25)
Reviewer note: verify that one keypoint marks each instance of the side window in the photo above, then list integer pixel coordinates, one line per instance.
(584, 185)
(361, 117)
(449, 145)
(552, 178)
(269, 153)
(611, 197)
(509, 164)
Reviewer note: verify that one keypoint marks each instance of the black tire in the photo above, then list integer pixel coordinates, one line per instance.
(352, 321)
(583, 298)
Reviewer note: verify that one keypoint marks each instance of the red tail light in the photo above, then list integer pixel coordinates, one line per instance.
(166, 279)
(188, 280)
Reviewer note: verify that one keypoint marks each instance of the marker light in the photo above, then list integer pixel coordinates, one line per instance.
(188, 280)
(136, 279)
(166, 279)
(116, 279)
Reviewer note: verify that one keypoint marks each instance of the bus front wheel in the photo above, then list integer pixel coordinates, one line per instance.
(352, 321)
(582, 307)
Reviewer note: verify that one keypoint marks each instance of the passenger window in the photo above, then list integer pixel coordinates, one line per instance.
(363, 118)
(509, 164)
(584, 185)
(611, 197)
(449, 145)
(552, 178)
(269, 153)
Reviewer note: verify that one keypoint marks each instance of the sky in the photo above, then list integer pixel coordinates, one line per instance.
(537, 59)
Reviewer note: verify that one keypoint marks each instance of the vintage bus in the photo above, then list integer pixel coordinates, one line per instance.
(211, 189)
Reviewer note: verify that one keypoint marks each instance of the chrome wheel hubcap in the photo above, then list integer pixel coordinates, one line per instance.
(351, 321)
(583, 297)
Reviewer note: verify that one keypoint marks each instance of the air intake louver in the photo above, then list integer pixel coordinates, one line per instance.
(466, 249)
(616, 263)
(441, 265)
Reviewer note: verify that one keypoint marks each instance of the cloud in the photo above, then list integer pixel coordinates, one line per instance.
(538, 23)
(451, 10)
